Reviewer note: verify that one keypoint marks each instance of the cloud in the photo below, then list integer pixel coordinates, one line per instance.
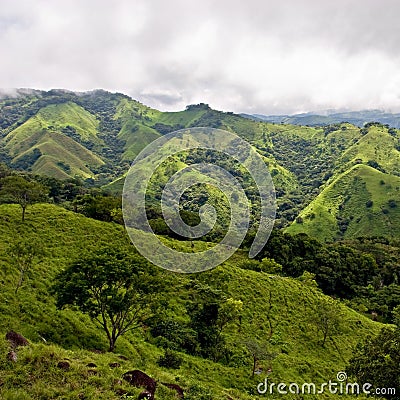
(254, 56)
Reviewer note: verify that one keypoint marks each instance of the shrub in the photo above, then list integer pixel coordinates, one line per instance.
(197, 392)
(170, 359)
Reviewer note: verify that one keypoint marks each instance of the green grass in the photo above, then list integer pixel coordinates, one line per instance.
(136, 137)
(377, 145)
(346, 199)
(269, 301)
(43, 132)
(185, 118)
(59, 116)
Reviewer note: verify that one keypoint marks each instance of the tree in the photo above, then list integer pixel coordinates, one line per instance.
(210, 313)
(327, 317)
(16, 189)
(103, 208)
(115, 288)
(377, 361)
(24, 255)
(259, 351)
(4, 170)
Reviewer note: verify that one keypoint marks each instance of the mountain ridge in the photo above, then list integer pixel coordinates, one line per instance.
(94, 136)
(358, 118)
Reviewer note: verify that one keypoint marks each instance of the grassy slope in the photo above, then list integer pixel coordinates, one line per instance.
(377, 145)
(137, 132)
(134, 132)
(70, 114)
(346, 197)
(43, 132)
(66, 236)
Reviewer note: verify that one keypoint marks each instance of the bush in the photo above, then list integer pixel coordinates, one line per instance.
(197, 392)
(170, 359)
(173, 335)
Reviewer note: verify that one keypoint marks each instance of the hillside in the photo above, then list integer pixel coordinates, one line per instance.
(94, 136)
(360, 197)
(276, 310)
(360, 202)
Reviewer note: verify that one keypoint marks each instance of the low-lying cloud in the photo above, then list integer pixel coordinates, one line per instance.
(255, 56)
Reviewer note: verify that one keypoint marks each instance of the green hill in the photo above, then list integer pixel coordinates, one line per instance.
(95, 136)
(276, 310)
(45, 142)
(360, 202)
(378, 147)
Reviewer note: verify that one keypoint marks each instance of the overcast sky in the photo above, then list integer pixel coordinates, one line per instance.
(256, 56)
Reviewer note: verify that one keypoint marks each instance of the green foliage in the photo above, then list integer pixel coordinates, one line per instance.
(210, 313)
(112, 287)
(259, 351)
(170, 359)
(377, 361)
(16, 189)
(327, 317)
(339, 269)
(266, 265)
(24, 254)
(101, 207)
(172, 334)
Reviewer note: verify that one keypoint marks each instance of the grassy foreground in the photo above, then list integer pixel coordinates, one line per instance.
(276, 310)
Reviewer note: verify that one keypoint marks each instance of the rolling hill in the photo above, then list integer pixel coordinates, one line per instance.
(360, 202)
(336, 183)
(276, 310)
(94, 137)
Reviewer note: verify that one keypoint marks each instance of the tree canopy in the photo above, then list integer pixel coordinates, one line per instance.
(16, 189)
(115, 288)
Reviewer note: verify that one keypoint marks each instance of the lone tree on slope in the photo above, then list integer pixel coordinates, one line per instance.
(115, 288)
(16, 189)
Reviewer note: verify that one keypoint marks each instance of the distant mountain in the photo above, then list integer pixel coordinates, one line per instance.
(358, 118)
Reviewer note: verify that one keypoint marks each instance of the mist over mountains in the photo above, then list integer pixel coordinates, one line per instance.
(358, 118)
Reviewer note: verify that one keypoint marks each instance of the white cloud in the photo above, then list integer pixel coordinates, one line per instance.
(254, 56)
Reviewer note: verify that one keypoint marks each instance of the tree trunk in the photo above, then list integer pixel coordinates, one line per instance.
(23, 213)
(254, 366)
(325, 336)
(112, 340)
(112, 345)
(21, 278)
